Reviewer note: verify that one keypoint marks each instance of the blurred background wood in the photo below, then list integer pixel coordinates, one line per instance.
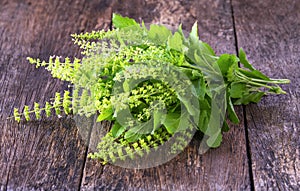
(261, 153)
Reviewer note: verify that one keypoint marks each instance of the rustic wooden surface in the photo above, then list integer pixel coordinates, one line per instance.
(269, 31)
(261, 153)
(50, 154)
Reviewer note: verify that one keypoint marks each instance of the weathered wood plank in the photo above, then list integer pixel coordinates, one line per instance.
(269, 32)
(50, 154)
(225, 168)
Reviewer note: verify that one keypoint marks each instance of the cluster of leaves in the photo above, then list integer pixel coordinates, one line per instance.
(136, 70)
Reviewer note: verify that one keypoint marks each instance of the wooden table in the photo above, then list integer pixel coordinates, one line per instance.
(261, 153)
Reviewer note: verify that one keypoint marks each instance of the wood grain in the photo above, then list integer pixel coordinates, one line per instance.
(49, 154)
(225, 168)
(269, 32)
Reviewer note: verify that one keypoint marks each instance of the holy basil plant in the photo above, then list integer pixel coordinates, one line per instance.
(156, 86)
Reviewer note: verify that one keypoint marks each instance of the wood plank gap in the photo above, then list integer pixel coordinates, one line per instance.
(248, 148)
(90, 130)
(86, 154)
(234, 29)
(111, 21)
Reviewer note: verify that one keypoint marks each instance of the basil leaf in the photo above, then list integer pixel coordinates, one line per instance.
(215, 140)
(171, 122)
(252, 97)
(244, 60)
(122, 22)
(117, 130)
(226, 61)
(231, 113)
(106, 114)
(175, 42)
(159, 34)
(237, 90)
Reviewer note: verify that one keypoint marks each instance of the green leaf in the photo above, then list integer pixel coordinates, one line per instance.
(182, 35)
(203, 121)
(254, 74)
(126, 86)
(215, 140)
(214, 124)
(106, 114)
(138, 131)
(200, 87)
(175, 42)
(231, 76)
(159, 34)
(226, 61)
(209, 48)
(122, 22)
(188, 103)
(237, 90)
(171, 122)
(176, 122)
(244, 60)
(191, 73)
(252, 97)
(204, 115)
(231, 112)
(203, 49)
(225, 127)
(184, 122)
(117, 130)
(157, 120)
(132, 136)
(194, 37)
